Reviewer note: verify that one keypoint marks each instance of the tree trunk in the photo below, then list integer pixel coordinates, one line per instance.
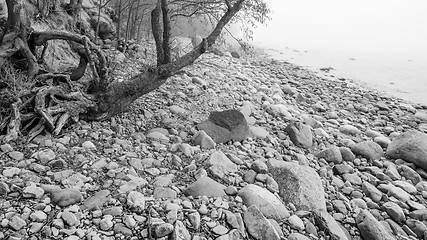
(141, 20)
(135, 20)
(120, 95)
(97, 21)
(119, 18)
(128, 25)
(15, 36)
(166, 32)
(157, 32)
(75, 6)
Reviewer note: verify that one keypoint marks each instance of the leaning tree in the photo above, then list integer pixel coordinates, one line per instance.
(58, 98)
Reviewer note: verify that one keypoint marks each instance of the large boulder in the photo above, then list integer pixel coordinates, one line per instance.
(410, 146)
(298, 184)
(300, 134)
(267, 202)
(225, 126)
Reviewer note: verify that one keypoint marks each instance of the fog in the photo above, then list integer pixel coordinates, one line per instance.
(380, 43)
(396, 28)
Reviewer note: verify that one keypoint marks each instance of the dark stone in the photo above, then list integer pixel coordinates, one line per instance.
(225, 126)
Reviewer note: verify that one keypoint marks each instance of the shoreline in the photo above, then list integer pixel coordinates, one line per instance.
(381, 88)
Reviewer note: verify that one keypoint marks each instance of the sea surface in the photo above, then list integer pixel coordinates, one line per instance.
(401, 78)
(381, 44)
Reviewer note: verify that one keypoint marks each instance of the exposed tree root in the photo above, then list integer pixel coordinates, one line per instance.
(14, 125)
(47, 108)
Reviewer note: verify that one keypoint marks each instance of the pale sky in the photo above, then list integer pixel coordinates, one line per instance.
(397, 27)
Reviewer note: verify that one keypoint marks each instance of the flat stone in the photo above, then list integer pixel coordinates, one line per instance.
(259, 166)
(220, 230)
(258, 226)
(163, 229)
(349, 130)
(33, 191)
(70, 219)
(88, 145)
(267, 202)
(297, 236)
(63, 197)
(202, 139)
(418, 227)
(371, 228)
(258, 132)
(136, 200)
(394, 211)
(300, 134)
(11, 171)
(162, 193)
(347, 154)
(371, 191)
(368, 149)
(174, 109)
(38, 216)
(157, 136)
(45, 156)
(17, 223)
(97, 200)
(120, 228)
(220, 165)
(16, 155)
(331, 154)
(328, 224)
(409, 174)
(180, 232)
(205, 186)
(296, 223)
(298, 184)
(395, 192)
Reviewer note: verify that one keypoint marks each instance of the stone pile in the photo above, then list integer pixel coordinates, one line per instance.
(229, 149)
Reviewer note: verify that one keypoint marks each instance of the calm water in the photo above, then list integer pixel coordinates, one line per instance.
(406, 79)
(379, 43)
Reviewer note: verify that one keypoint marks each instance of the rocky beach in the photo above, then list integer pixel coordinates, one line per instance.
(230, 148)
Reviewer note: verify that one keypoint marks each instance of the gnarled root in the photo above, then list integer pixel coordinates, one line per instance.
(47, 108)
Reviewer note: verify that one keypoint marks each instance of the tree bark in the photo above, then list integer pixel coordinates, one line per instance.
(157, 32)
(75, 6)
(16, 34)
(97, 21)
(135, 20)
(128, 25)
(166, 32)
(119, 18)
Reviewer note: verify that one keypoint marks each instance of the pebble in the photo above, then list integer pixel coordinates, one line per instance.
(296, 222)
(123, 178)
